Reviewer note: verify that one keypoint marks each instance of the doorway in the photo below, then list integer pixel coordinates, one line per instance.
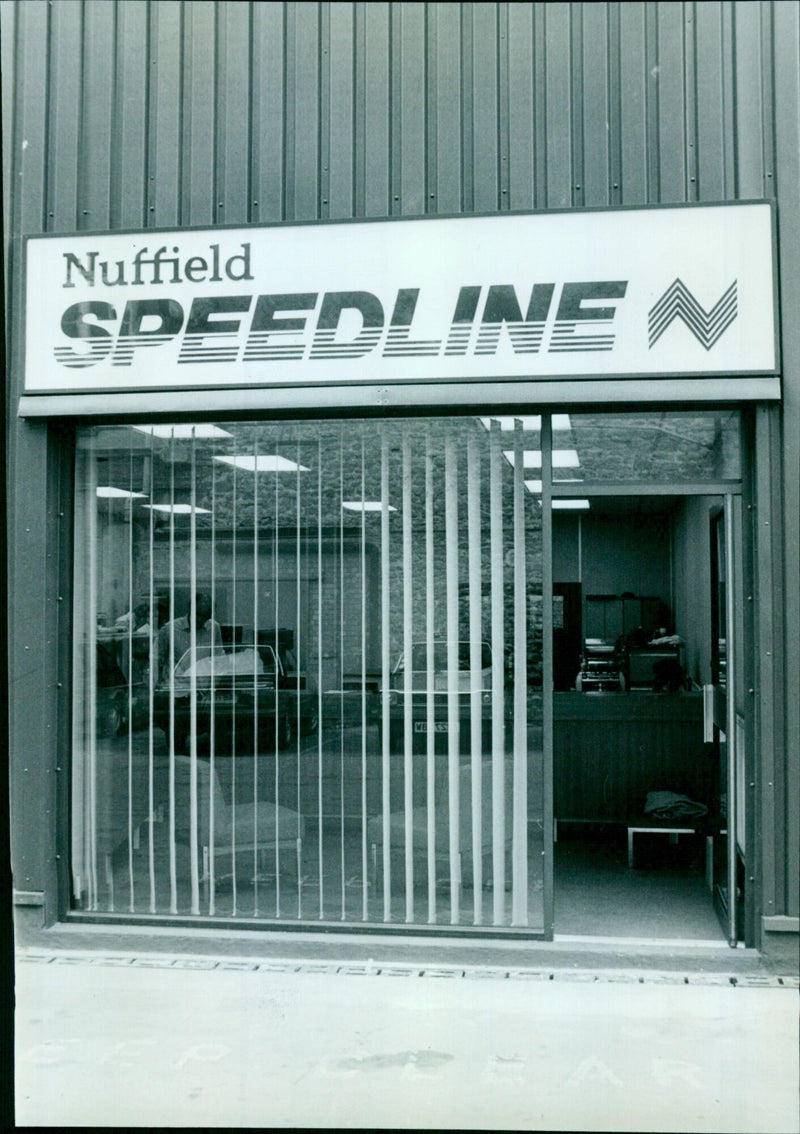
(642, 654)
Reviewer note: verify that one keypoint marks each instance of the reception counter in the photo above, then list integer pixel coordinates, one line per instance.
(610, 749)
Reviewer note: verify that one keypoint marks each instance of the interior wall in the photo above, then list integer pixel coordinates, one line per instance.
(567, 547)
(624, 552)
(692, 580)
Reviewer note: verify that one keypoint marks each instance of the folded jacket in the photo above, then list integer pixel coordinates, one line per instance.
(670, 805)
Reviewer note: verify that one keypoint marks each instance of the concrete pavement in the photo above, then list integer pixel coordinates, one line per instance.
(162, 1040)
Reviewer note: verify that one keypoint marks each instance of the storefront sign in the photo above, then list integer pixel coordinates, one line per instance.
(650, 293)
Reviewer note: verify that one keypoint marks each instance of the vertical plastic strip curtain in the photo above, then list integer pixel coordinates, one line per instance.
(426, 755)
(475, 666)
(408, 675)
(152, 677)
(453, 706)
(519, 848)
(209, 867)
(386, 757)
(498, 671)
(430, 707)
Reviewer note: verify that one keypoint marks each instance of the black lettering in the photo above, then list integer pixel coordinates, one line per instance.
(244, 257)
(539, 304)
(264, 315)
(335, 302)
(502, 305)
(169, 311)
(199, 323)
(467, 304)
(404, 306)
(73, 321)
(87, 272)
(398, 344)
(573, 295)
(104, 266)
(196, 268)
(131, 336)
(98, 339)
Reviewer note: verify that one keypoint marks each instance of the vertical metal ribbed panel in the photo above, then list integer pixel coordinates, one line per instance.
(160, 113)
(164, 113)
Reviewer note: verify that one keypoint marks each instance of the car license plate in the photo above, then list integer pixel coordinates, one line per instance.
(422, 726)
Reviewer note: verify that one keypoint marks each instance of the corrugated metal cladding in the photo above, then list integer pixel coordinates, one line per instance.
(122, 114)
(162, 113)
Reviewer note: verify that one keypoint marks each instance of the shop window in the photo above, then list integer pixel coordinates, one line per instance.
(307, 671)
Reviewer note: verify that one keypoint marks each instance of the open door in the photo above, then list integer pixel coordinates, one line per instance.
(724, 719)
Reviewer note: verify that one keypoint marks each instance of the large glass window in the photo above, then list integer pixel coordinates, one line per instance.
(308, 671)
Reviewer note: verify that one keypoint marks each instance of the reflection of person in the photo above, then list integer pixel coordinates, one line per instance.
(136, 620)
(206, 632)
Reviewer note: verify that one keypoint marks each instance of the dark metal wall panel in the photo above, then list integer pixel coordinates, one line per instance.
(671, 79)
(98, 95)
(409, 71)
(8, 58)
(268, 154)
(595, 111)
(130, 166)
(303, 46)
(636, 85)
(234, 98)
(445, 131)
(557, 108)
(483, 107)
(710, 103)
(747, 83)
(521, 106)
(377, 126)
(199, 116)
(787, 151)
(339, 200)
(64, 126)
(165, 133)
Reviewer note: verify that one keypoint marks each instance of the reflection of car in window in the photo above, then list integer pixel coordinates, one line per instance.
(440, 681)
(441, 668)
(242, 690)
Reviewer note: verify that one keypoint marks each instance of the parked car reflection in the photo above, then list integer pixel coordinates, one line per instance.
(244, 690)
(441, 684)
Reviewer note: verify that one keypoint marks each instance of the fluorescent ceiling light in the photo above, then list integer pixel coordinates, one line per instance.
(532, 458)
(365, 506)
(177, 509)
(181, 432)
(573, 504)
(530, 422)
(110, 493)
(265, 463)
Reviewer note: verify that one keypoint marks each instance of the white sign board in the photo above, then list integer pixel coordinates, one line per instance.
(618, 293)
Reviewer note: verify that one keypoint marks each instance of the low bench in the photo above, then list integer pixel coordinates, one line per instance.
(645, 825)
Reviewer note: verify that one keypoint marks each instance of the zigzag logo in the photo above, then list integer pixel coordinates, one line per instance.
(677, 302)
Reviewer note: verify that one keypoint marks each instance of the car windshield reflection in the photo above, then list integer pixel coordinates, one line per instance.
(208, 661)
